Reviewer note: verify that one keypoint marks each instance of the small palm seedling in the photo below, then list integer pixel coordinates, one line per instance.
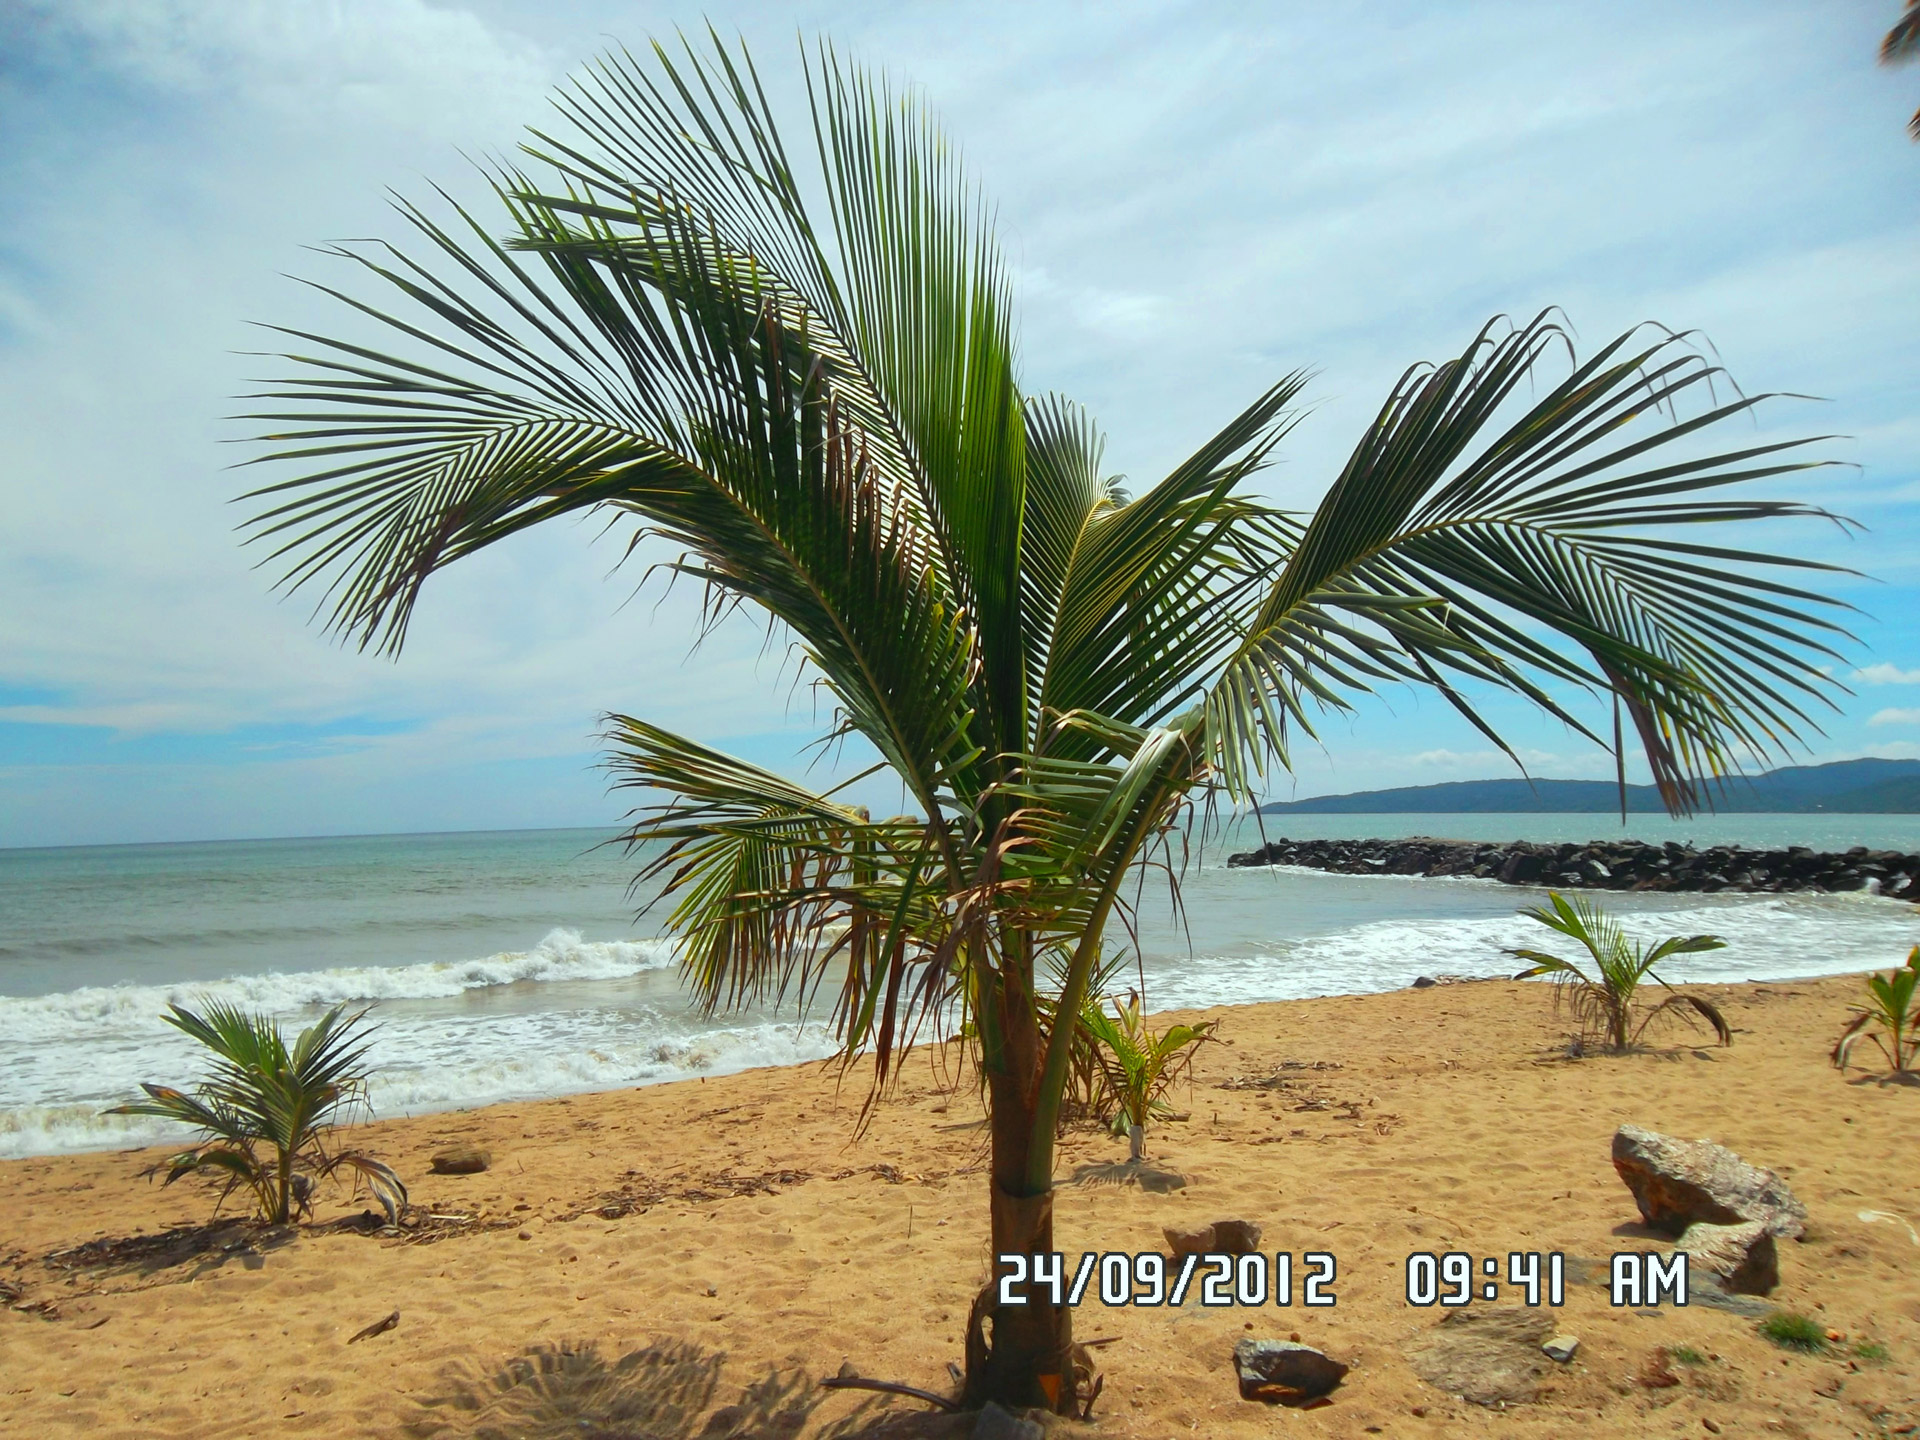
(1086, 1088)
(264, 1110)
(1891, 1007)
(1603, 1001)
(1138, 1066)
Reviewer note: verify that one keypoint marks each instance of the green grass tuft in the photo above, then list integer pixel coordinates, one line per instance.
(1685, 1355)
(1872, 1351)
(1795, 1332)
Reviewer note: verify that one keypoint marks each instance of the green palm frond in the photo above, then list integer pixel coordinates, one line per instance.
(773, 885)
(1602, 991)
(1548, 551)
(650, 364)
(1154, 593)
(1139, 1065)
(264, 1108)
(1889, 1018)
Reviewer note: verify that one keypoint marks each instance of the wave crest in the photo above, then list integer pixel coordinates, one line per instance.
(561, 955)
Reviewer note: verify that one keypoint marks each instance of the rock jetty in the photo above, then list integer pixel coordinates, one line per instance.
(1606, 864)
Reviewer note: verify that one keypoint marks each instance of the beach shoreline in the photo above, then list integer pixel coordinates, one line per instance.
(740, 1216)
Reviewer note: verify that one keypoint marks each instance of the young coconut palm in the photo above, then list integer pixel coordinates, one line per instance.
(1137, 1065)
(1891, 1006)
(1603, 1001)
(803, 377)
(265, 1110)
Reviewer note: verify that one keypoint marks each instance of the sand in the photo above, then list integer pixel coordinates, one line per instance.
(637, 1259)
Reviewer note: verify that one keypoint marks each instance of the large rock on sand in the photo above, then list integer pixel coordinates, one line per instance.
(1284, 1371)
(1222, 1237)
(1678, 1183)
(1742, 1258)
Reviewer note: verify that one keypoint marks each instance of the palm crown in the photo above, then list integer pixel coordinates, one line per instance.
(806, 383)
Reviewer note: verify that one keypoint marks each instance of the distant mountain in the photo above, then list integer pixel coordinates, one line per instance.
(1846, 787)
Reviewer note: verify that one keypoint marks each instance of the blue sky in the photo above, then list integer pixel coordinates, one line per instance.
(1196, 198)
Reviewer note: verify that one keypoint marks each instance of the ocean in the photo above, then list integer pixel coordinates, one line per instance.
(511, 965)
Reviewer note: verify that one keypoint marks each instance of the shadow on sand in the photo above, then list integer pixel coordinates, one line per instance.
(1131, 1172)
(664, 1391)
(204, 1247)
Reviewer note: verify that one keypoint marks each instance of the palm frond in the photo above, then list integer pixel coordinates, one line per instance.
(1700, 1006)
(386, 1187)
(772, 885)
(1902, 42)
(1154, 594)
(1547, 552)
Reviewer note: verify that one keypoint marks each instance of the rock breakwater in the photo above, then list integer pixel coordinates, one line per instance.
(1606, 864)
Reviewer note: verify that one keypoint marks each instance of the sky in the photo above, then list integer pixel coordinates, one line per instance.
(1195, 199)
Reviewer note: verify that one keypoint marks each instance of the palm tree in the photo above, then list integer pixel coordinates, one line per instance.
(265, 1109)
(1138, 1067)
(1603, 1000)
(805, 381)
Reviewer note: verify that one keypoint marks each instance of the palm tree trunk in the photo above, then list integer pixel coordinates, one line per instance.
(1027, 1361)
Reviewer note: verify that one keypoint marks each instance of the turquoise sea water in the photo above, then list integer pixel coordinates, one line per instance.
(512, 964)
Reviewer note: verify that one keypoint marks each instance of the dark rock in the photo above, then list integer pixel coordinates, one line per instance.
(461, 1160)
(1522, 869)
(1605, 864)
(1677, 1183)
(1425, 982)
(1284, 1371)
(1742, 1259)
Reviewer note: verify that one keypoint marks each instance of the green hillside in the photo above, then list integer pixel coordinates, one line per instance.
(1845, 787)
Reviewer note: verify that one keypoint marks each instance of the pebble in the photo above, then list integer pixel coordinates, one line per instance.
(1560, 1347)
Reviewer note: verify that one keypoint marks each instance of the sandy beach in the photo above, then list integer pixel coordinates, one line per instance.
(635, 1262)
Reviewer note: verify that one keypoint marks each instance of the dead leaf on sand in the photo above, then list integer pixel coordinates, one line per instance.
(378, 1327)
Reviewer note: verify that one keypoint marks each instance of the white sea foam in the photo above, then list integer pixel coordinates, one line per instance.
(1766, 938)
(562, 955)
(72, 1054)
(424, 1064)
(508, 1026)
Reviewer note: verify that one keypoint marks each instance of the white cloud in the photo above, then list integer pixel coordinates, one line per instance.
(1197, 201)
(381, 62)
(1887, 675)
(1895, 717)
